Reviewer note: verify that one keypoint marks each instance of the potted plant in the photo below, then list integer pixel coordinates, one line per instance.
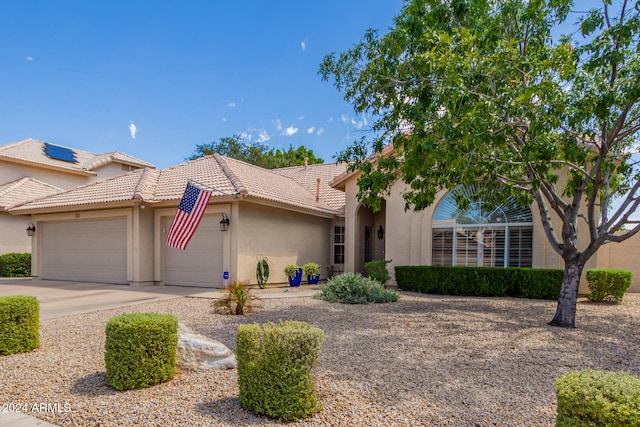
(312, 271)
(294, 274)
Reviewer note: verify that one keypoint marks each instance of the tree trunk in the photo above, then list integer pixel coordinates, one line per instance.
(566, 311)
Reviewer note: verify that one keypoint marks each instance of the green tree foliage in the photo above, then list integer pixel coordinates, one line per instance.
(256, 153)
(470, 90)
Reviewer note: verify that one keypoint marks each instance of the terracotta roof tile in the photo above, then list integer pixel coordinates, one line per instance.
(307, 176)
(24, 189)
(115, 189)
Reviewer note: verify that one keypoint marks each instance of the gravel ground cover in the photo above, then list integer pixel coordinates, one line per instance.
(424, 361)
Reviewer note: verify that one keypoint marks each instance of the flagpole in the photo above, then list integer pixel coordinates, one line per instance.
(199, 184)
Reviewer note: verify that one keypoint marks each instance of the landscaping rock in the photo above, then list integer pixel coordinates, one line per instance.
(199, 352)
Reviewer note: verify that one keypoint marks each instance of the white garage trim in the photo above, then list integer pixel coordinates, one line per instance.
(91, 250)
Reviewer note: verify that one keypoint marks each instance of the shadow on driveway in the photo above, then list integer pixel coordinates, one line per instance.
(60, 299)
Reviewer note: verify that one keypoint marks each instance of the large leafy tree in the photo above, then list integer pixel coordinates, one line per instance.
(256, 153)
(479, 90)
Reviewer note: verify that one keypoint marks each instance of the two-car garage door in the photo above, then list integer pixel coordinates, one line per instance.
(201, 263)
(91, 251)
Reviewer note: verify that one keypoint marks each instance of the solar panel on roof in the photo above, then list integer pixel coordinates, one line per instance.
(60, 153)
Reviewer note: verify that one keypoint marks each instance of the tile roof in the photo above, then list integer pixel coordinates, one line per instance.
(116, 189)
(24, 189)
(32, 151)
(224, 176)
(307, 176)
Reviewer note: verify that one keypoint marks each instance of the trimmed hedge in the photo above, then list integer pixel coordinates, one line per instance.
(274, 368)
(534, 283)
(140, 349)
(15, 265)
(19, 324)
(608, 284)
(590, 398)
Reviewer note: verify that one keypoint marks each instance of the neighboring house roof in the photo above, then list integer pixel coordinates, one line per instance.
(223, 175)
(22, 190)
(31, 151)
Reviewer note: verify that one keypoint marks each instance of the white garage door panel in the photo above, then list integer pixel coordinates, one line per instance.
(201, 263)
(92, 251)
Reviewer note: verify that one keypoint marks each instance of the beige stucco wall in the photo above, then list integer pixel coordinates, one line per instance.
(13, 234)
(13, 171)
(408, 235)
(623, 256)
(284, 237)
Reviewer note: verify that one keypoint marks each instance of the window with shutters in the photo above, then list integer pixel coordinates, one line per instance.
(482, 234)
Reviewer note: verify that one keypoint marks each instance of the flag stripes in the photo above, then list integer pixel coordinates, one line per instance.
(190, 211)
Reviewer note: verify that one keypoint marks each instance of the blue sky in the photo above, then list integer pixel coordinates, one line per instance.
(154, 79)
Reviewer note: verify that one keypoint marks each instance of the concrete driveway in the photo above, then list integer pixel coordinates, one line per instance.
(59, 299)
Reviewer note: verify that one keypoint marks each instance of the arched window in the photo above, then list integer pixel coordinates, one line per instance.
(483, 234)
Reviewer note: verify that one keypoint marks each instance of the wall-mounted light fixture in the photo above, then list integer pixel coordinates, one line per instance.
(224, 223)
(31, 229)
(380, 233)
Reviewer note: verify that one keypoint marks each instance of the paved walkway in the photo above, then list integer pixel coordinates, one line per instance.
(60, 299)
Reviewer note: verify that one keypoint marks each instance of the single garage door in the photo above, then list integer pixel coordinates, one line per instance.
(201, 263)
(85, 251)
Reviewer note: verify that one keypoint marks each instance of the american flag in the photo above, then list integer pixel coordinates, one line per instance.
(192, 206)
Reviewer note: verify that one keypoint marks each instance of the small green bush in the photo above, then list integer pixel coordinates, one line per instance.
(274, 368)
(608, 284)
(535, 283)
(15, 265)
(19, 324)
(352, 288)
(377, 270)
(140, 349)
(590, 398)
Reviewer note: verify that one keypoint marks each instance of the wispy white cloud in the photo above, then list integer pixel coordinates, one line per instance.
(300, 117)
(290, 131)
(133, 130)
(344, 118)
(320, 131)
(303, 45)
(311, 129)
(263, 136)
(278, 125)
(231, 104)
(29, 58)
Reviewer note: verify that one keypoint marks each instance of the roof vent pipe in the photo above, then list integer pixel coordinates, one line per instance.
(317, 190)
(306, 162)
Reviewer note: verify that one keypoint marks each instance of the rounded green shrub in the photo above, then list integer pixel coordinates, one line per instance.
(589, 398)
(352, 288)
(19, 324)
(15, 265)
(140, 349)
(274, 368)
(608, 284)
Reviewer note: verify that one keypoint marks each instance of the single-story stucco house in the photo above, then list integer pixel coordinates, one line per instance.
(33, 169)
(114, 230)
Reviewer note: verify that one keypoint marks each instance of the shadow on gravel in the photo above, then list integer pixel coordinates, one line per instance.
(228, 411)
(93, 385)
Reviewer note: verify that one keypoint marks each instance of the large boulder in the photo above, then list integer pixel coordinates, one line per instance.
(199, 352)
